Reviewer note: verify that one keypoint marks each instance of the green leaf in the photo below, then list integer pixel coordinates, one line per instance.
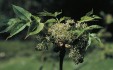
(21, 13)
(57, 13)
(77, 32)
(89, 42)
(64, 18)
(88, 29)
(10, 24)
(39, 27)
(18, 27)
(94, 36)
(13, 20)
(37, 30)
(51, 20)
(92, 27)
(96, 17)
(45, 13)
(36, 18)
(88, 17)
(80, 33)
(7, 29)
(85, 19)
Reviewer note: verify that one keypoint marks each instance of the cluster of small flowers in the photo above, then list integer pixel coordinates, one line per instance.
(41, 46)
(59, 32)
(78, 50)
(81, 26)
(75, 55)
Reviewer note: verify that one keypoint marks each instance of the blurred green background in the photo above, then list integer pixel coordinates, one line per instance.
(20, 54)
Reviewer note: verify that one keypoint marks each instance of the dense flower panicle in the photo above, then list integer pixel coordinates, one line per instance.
(75, 55)
(78, 50)
(63, 32)
(60, 32)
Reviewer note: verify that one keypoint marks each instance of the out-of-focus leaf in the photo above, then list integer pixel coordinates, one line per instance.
(89, 13)
(103, 33)
(21, 13)
(102, 14)
(3, 22)
(108, 19)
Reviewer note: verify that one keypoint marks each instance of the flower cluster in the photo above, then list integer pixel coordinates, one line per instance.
(60, 32)
(66, 34)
